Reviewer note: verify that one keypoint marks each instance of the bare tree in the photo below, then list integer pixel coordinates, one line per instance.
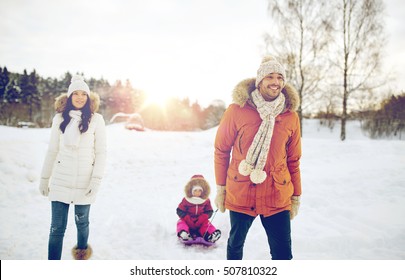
(362, 38)
(302, 36)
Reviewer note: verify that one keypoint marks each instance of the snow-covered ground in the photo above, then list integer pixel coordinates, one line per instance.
(352, 205)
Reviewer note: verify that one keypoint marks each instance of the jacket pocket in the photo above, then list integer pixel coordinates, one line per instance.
(279, 192)
(240, 143)
(240, 191)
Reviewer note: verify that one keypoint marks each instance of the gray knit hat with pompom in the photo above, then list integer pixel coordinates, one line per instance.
(269, 65)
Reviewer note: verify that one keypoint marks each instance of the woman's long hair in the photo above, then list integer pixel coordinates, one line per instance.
(86, 115)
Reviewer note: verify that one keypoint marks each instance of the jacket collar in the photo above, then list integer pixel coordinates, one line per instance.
(195, 200)
(243, 91)
(60, 102)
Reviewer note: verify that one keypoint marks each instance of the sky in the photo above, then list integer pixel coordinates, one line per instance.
(199, 49)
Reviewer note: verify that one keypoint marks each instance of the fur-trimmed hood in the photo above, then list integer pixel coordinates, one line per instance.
(197, 182)
(243, 90)
(60, 102)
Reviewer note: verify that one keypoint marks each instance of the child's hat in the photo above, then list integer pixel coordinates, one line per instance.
(197, 187)
(197, 182)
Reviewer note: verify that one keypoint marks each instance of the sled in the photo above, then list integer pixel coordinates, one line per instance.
(197, 241)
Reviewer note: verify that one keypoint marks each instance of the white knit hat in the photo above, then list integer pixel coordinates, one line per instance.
(78, 83)
(269, 65)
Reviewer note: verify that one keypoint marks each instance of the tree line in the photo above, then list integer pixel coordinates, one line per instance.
(29, 98)
(388, 120)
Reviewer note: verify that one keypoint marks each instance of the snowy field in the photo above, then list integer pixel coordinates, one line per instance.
(352, 206)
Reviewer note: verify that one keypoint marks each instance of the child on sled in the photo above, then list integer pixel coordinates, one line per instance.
(195, 210)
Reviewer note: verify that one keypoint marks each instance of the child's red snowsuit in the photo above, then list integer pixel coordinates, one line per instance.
(194, 214)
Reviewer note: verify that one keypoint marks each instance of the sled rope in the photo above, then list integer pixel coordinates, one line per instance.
(210, 222)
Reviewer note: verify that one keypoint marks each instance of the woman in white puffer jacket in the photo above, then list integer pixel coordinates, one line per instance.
(74, 165)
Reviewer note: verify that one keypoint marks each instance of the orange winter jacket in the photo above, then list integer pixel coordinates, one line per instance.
(235, 134)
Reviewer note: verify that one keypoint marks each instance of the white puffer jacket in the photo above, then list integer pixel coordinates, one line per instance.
(71, 170)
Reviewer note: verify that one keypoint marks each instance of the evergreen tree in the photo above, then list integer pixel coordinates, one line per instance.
(13, 93)
(4, 80)
(29, 92)
(63, 84)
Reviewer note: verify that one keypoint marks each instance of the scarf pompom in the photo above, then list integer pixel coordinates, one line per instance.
(258, 176)
(245, 168)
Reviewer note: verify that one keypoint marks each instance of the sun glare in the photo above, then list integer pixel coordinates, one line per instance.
(154, 99)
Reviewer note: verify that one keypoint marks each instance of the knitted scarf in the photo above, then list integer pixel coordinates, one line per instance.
(71, 136)
(259, 149)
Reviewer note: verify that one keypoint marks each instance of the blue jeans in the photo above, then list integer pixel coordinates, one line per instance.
(60, 213)
(278, 230)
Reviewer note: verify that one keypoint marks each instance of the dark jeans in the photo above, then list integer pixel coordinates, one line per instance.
(278, 230)
(60, 213)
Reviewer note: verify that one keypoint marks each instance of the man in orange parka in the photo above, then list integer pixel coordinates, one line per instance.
(257, 158)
